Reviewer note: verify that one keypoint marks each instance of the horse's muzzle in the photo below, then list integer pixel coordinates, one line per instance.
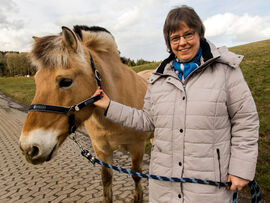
(34, 155)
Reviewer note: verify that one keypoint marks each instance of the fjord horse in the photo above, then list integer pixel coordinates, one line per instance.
(64, 78)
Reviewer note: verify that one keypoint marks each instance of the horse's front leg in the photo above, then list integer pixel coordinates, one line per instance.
(136, 153)
(106, 175)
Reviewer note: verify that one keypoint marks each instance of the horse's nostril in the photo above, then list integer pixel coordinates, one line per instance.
(34, 151)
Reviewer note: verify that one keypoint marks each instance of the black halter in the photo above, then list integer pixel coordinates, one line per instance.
(70, 111)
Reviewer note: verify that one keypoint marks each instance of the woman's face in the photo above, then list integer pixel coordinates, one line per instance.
(185, 43)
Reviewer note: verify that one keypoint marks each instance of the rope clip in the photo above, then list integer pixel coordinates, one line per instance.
(89, 156)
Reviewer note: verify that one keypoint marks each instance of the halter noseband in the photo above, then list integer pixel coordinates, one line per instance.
(69, 111)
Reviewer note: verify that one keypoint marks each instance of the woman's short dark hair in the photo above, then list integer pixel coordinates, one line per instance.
(178, 15)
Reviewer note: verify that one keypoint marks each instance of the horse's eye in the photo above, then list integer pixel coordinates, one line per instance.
(64, 82)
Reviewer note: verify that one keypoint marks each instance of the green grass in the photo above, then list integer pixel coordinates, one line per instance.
(256, 69)
(21, 88)
(146, 67)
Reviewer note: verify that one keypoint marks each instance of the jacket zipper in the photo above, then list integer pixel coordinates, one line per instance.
(184, 127)
(218, 156)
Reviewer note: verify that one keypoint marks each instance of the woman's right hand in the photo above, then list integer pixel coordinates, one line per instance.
(104, 101)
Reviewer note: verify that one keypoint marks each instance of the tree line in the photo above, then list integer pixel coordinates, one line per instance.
(15, 64)
(18, 64)
(131, 62)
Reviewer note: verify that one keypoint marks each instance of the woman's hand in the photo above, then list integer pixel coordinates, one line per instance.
(237, 183)
(104, 101)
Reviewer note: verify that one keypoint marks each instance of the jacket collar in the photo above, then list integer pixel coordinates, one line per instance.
(161, 67)
(210, 54)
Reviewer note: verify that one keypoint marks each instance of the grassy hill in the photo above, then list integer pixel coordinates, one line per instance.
(19, 88)
(256, 69)
(146, 67)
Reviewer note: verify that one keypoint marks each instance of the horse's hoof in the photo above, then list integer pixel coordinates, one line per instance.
(138, 197)
(106, 200)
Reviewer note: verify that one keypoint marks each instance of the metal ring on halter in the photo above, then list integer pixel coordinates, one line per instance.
(76, 108)
(97, 75)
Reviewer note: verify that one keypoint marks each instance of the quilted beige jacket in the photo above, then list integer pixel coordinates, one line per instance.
(206, 127)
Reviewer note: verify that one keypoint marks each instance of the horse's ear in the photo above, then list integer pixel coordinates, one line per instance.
(35, 38)
(69, 38)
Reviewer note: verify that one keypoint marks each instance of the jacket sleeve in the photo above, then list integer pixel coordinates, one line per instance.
(140, 120)
(244, 126)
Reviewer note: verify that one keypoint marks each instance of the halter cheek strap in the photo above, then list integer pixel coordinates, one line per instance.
(97, 74)
(70, 111)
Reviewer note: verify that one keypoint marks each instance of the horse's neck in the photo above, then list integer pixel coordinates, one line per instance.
(117, 78)
(121, 83)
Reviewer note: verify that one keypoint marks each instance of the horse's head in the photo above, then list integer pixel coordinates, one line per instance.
(64, 78)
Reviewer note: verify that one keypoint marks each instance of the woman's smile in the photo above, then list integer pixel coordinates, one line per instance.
(184, 50)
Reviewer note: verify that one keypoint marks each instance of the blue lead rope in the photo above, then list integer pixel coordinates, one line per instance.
(254, 188)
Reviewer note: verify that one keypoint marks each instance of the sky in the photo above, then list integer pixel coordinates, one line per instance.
(135, 24)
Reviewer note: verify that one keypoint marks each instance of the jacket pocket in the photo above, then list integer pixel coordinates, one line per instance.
(219, 167)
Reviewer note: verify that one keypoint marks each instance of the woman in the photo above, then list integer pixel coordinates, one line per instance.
(202, 113)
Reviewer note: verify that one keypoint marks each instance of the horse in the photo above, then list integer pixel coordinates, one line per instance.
(145, 73)
(65, 77)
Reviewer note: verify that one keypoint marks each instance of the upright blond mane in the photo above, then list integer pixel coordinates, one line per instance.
(50, 51)
(100, 41)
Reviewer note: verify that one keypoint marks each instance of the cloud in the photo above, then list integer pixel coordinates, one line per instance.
(128, 18)
(238, 29)
(11, 35)
(136, 25)
(6, 21)
(70, 20)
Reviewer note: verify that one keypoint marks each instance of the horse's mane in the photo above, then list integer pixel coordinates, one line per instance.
(50, 51)
(79, 28)
(96, 38)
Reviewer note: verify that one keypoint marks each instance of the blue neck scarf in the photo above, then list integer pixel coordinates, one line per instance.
(184, 69)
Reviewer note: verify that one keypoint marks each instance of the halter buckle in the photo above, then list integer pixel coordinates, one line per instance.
(74, 108)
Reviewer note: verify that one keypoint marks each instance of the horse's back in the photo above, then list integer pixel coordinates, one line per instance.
(145, 74)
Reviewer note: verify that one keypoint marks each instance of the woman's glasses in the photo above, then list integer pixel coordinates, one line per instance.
(176, 38)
